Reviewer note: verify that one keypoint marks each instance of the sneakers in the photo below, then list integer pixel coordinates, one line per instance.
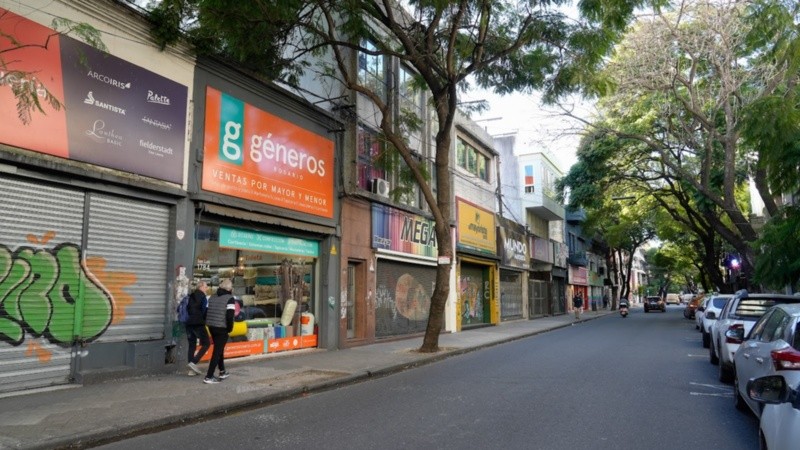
(212, 380)
(224, 374)
(192, 373)
(194, 368)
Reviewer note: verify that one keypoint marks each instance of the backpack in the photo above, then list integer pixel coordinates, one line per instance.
(183, 309)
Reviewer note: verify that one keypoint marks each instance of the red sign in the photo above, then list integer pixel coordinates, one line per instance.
(238, 349)
(291, 343)
(254, 155)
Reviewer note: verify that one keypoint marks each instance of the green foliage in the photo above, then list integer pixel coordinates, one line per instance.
(778, 262)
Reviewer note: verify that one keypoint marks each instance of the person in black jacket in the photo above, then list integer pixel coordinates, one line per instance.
(196, 327)
(219, 318)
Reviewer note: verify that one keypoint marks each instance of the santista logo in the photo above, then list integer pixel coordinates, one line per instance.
(262, 146)
(479, 229)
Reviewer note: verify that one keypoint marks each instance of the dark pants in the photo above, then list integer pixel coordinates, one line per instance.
(220, 338)
(193, 333)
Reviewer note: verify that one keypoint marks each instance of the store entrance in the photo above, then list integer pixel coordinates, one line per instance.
(354, 309)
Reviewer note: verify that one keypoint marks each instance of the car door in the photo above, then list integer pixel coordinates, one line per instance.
(746, 365)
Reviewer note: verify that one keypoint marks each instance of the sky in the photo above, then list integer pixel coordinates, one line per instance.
(538, 127)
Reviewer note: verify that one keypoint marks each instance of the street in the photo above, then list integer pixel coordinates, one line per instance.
(638, 383)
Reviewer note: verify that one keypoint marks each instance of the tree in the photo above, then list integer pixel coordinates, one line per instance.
(686, 83)
(28, 90)
(504, 45)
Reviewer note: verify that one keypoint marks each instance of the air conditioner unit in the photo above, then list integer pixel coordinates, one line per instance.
(380, 187)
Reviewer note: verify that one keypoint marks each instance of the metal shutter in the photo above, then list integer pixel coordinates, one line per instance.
(403, 298)
(41, 228)
(132, 238)
(510, 295)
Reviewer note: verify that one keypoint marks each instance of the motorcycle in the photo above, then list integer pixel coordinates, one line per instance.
(623, 310)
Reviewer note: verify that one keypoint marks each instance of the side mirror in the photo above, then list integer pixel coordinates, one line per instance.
(771, 389)
(711, 315)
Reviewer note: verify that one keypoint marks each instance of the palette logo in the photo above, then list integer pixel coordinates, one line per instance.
(231, 134)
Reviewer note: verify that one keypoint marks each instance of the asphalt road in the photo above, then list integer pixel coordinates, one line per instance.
(638, 383)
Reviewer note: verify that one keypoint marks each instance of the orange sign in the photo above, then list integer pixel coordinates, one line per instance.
(291, 343)
(36, 57)
(238, 349)
(254, 155)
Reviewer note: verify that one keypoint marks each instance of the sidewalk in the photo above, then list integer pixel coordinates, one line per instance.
(80, 416)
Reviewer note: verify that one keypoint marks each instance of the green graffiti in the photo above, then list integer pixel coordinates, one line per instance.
(44, 291)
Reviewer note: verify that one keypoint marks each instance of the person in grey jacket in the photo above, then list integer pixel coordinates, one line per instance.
(219, 319)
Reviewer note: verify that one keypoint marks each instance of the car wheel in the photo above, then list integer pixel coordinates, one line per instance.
(712, 355)
(738, 401)
(706, 339)
(725, 373)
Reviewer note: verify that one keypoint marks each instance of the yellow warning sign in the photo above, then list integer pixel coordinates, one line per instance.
(333, 249)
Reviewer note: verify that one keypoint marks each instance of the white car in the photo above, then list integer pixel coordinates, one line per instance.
(779, 428)
(713, 304)
(771, 348)
(734, 323)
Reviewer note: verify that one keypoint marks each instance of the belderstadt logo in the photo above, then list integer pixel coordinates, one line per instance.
(108, 80)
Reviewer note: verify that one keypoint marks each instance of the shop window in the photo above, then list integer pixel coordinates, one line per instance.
(262, 282)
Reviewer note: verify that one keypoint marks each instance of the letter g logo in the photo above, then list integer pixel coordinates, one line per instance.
(231, 139)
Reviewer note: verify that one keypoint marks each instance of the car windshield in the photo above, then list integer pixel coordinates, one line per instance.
(719, 302)
(654, 299)
(756, 307)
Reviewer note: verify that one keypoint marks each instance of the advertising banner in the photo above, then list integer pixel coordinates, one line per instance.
(254, 155)
(403, 232)
(511, 246)
(115, 114)
(265, 242)
(476, 228)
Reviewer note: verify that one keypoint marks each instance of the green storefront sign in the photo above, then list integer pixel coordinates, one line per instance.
(265, 242)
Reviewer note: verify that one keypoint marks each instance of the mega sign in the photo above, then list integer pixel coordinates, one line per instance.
(399, 231)
(254, 155)
(115, 114)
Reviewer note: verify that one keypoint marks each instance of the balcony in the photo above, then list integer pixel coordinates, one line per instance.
(543, 206)
(578, 259)
(575, 217)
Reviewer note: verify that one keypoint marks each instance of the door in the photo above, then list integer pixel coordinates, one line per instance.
(355, 301)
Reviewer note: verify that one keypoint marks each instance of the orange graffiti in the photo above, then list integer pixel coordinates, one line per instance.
(42, 353)
(33, 239)
(114, 282)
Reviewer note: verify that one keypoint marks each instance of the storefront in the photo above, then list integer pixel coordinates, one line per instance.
(477, 272)
(513, 250)
(264, 212)
(560, 253)
(579, 283)
(405, 272)
(540, 284)
(89, 193)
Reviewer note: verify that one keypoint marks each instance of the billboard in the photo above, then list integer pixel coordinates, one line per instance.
(476, 228)
(115, 114)
(251, 154)
(400, 231)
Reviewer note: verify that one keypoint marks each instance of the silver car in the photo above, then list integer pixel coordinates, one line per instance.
(713, 304)
(735, 322)
(771, 348)
(780, 421)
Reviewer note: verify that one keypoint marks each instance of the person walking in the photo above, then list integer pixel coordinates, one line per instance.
(577, 304)
(196, 326)
(219, 319)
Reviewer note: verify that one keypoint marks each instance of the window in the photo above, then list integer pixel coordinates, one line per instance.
(410, 95)
(372, 69)
(369, 148)
(528, 182)
(472, 160)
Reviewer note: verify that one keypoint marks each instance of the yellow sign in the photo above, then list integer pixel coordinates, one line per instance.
(333, 249)
(476, 228)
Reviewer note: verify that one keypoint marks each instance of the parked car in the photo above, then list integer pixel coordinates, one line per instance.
(691, 307)
(654, 302)
(713, 304)
(734, 322)
(673, 299)
(698, 313)
(771, 348)
(779, 428)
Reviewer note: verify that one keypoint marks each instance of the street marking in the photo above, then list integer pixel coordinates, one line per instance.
(697, 356)
(729, 394)
(712, 386)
